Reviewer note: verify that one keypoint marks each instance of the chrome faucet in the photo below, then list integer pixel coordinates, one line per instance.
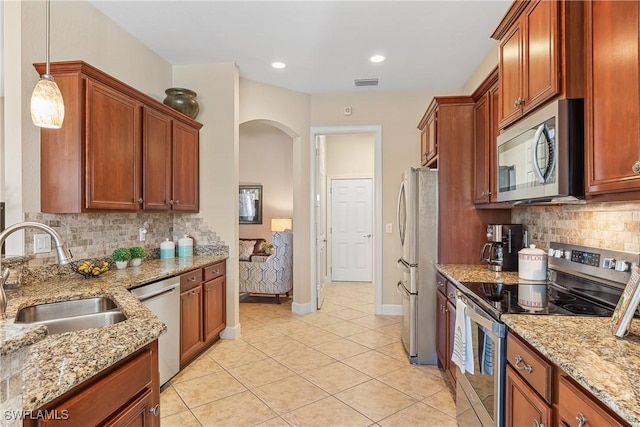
(64, 255)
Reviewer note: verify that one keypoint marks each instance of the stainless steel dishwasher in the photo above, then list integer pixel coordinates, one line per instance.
(163, 299)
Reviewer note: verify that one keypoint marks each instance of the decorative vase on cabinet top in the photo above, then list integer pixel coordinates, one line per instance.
(183, 100)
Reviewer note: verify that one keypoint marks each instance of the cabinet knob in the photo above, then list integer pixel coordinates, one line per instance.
(155, 410)
(516, 102)
(536, 423)
(518, 360)
(581, 420)
(636, 167)
(176, 202)
(140, 200)
(170, 202)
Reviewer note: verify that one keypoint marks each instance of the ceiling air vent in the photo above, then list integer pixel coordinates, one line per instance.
(366, 82)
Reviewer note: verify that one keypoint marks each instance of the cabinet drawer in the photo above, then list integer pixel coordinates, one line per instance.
(533, 368)
(112, 391)
(190, 279)
(215, 270)
(441, 283)
(451, 292)
(574, 405)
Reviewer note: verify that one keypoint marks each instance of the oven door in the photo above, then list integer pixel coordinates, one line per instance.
(480, 396)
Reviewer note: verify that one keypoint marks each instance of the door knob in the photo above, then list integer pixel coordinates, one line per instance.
(367, 235)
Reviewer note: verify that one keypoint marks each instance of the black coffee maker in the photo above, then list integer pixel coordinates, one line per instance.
(501, 251)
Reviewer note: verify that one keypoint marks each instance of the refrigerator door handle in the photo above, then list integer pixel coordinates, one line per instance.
(404, 289)
(402, 222)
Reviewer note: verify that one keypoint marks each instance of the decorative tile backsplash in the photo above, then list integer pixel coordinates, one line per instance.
(602, 225)
(96, 235)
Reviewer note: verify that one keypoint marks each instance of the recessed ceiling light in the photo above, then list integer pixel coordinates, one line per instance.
(278, 64)
(376, 58)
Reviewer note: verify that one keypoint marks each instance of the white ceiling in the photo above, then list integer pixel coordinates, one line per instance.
(326, 44)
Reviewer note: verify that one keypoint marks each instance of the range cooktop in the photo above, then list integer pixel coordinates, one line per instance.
(583, 282)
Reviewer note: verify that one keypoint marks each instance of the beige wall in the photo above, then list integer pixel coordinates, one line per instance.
(350, 156)
(398, 113)
(482, 71)
(217, 87)
(289, 111)
(266, 158)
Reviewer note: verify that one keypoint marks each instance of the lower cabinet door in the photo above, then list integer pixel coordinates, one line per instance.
(441, 325)
(141, 413)
(524, 406)
(578, 407)
(191, 336)
(214, 308)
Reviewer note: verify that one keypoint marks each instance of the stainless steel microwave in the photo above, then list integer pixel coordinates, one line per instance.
(541, 157)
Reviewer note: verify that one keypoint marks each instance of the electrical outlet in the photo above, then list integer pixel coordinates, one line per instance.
(388, 228)
(41, 243)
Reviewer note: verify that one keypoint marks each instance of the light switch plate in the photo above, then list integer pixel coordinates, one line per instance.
(41, 243)
(388, 228)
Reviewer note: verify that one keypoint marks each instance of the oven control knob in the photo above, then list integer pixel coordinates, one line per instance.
(559, 253)
(551, 252)
(609, 263)
(622, 266)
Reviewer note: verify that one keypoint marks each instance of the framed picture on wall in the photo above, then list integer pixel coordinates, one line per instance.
(250, 208)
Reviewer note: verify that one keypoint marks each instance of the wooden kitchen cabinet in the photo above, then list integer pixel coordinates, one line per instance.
(540, 55)
(485, 125)
(539, 392)
(445, 325)
(125, 394)
(612, 102)
(170, 164)
(525, 407)
(202, 309)
(112, 150)
(458, 218)
(575, 405)
(429, 137)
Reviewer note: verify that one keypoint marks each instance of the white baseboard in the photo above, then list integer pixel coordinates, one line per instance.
(231, 332)
(305, 308)
(391, 309)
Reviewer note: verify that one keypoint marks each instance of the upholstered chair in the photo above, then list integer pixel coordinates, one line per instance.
(271, 274)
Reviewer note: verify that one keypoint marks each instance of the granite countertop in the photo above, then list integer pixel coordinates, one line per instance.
(59, 362)
(581, 346)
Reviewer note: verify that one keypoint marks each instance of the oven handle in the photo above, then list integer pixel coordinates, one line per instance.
(476, 314)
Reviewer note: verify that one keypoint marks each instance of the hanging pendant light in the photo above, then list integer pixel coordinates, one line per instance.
(47, 106)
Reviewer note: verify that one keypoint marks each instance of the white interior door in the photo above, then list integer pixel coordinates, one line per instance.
(351, 230)
(321, 220)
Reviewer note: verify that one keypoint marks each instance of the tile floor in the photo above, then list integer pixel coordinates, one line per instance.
(340, 366)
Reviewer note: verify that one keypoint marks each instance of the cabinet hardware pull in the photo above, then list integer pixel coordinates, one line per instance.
(216, 271)
(170, 202)
(192, 279)
(581, 419)
(516, 102)
(536, 423)
(155, 410)
(177, 202)
(636, 167)
(140, 200)
(451, 295)
(518, 360)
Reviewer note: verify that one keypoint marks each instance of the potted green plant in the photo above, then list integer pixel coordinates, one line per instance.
(137, 254)
(267, 247)
(121, 256)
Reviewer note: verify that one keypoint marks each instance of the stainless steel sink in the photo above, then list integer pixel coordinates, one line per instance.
(73, 315)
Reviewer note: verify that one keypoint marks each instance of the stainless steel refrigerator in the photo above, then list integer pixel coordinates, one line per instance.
(418, 229)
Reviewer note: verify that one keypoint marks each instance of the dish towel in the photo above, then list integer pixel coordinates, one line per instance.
(462, 354)
(486, 367)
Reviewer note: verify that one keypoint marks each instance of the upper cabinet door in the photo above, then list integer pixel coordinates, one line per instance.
(114, 153)
(157, 160)
(185, 168)
(510, 71)
(541, 60)
(612, 104)
(529, 56)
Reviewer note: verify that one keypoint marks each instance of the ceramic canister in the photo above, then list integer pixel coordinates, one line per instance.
(167, 249)
(532, 264)
(185, 246)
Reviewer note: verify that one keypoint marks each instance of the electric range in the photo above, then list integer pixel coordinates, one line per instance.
(582, 281)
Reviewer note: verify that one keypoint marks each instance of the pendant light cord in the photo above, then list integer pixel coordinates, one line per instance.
(48, 34)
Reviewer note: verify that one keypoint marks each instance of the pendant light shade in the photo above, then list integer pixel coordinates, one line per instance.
(47, 106)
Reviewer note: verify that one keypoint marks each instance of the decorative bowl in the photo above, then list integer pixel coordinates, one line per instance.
(91, 267)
